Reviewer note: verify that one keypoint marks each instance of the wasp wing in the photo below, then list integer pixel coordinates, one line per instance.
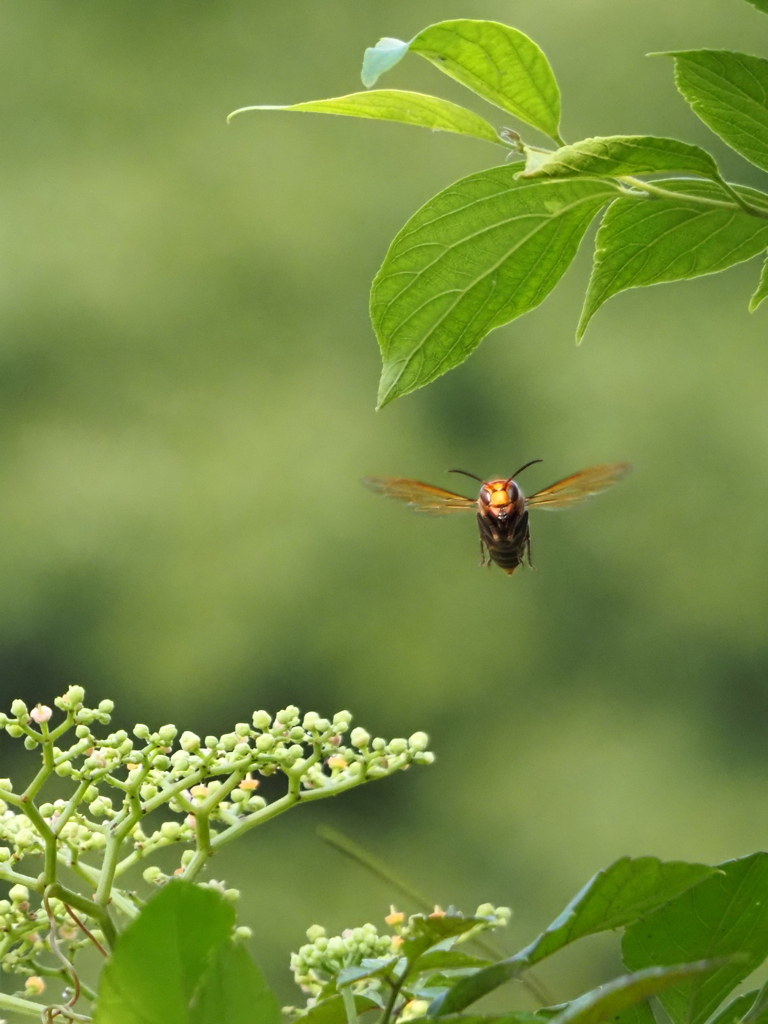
(580, 486)
(421, 497)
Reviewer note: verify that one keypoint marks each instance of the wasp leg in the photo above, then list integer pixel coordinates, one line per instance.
(528, 552)
(482, 554)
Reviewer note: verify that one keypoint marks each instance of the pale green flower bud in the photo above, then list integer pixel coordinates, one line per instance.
(25, 837)
(286, 715)
(229, 740)
(485, 910)
(6, 785)
(97, 840)
(419, 741)
(342, 718)
(64, 769)
(314, 932)
(167, 734)
(232, 895)
(310, 720)
(180, 761)
(82, 732)
(5, 854)
(323, 725)
(148, 791)
(397, 746)
(97, 808)
(141, 731)
(296, 751)
(30, 742)
(187, 857)
(212, 742)
(74, 696)
(426, 758)
(19, 708)
(503, 914)
(256, 803)
(242, 933)
(189, 742)
(19, 893)
(90, 794)
(106, 706)
(238, 796)
(152, 874)
(265, 743)
(360, 738)
(242, 750)
(170, 829)
(242, 729)
(14, 731)
(161, 762)
(261, 720)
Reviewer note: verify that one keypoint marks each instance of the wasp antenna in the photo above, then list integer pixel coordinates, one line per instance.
(531, 463)
(465, 473)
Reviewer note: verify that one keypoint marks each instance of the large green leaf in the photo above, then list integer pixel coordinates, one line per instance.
(729, 92)
(623, 154)
(499, 63)
(161, 956)
(397, 105)
(479, 254)
(645, 241)
(725, 916)
(761, 5)
(606, 1002)
(615, 897)
(233, 989)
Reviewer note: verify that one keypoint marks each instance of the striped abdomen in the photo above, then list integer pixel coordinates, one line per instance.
(506, 540)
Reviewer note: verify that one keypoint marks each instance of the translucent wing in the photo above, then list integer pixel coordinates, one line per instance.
(421, 497)
(580, 486)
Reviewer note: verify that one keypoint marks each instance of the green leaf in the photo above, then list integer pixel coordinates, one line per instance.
(761, 291)
(622, 154)
(609, 1000)
(332, 1011)
(233, 989)
(380, 58)
(645, 241)
(736, 1009)
(160, 957)
(367, 969)
(761, 5)
(729, 92)
(499, 63)
(428, 930)
(443, 960)
(614, 898)
(479, 254)
(726, 914)
(398, 105)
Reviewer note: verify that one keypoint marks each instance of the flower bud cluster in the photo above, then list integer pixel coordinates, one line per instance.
(123, 782)
(322, 958)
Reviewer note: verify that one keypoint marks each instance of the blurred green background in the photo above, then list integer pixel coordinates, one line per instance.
(188, 376)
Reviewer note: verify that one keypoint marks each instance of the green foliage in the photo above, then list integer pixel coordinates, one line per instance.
(493, 246)
(725, 916)
(177, 964)
(498, 62)
(641, 243)
(614, 898)
(118, 788)
(483, 252)
(398, 105)
(728, 92)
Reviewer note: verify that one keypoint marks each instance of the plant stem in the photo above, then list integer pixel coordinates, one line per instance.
(664, 193)
(18, 1005)
(349, 1004)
